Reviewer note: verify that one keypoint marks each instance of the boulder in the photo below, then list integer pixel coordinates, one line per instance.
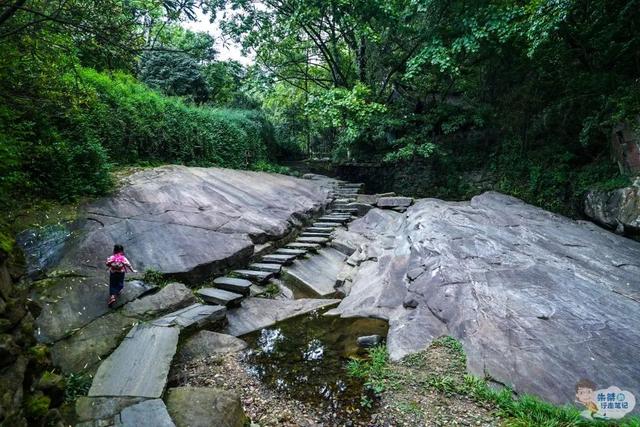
(534, 297)
(618, 209)
(191, 223)
(151, 412)
(205, 343)
(172, 297)
(205, 407)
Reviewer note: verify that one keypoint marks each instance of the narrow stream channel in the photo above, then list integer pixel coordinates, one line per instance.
(306, 358)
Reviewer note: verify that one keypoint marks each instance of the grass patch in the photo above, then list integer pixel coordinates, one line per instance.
(154, 277)
(76, 385)
(374, 370)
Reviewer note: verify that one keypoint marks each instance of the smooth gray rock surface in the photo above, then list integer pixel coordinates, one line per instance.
(151, 412)
(232, 284)
(192, 222)
(318, 273)
(538, 301)
(85, 349)
(194, 316)
(170, 298)
(219, 296)
(70, 303)
(205, 407)
(258, 313)
(139, 366)
(206, 343)
(102, 408)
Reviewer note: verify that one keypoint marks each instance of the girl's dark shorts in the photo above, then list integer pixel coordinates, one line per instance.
(116, 283)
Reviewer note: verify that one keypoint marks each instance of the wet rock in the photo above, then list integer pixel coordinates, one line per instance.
(43, 247)
(205, 343)
(170, 298)
(524, 290)
(9, 350)
(52, 385)
(11, 390)
(86, 348)
(205, 407)
(258, 313)
(369, 341)
(139, 366)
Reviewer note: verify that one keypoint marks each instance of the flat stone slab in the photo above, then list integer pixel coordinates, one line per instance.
(326, 224)
(290, 251)
(205, 407)
(170, 298)
(319, 229)
(317, 273)
(205, 343)
(303, 246)
(233, 284)
(194, 316)
(272, 268)
(258, 313)
(219, 296)
(148, 413)
(279, 258)
(316, 240)
(139, 366)
(313, 234)
(394, 202)
(259, 276)
(96, 409)
(69, 303)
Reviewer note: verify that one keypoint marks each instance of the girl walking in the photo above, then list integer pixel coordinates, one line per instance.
(118, 265)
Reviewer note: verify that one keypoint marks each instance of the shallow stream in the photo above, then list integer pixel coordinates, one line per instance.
(306, 358)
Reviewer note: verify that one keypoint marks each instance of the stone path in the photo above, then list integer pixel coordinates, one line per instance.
(128, 385)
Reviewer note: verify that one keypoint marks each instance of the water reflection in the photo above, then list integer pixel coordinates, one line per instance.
(306, 358)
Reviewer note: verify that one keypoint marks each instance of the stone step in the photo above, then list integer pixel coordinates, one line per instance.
(233, 284)
(139, 366)
(258, 276)
(312, 234)
(318, 229)
(279, 258)
(219, 296)
(272, 268)
(317, 274)
(304, 246)
(315, 240)
(325, 224)
(291, 251)
(336, 219)
(194, 316)
(345, 210)
(343, 200)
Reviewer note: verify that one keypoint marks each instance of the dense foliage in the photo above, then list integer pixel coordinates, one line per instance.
(64, 125)
(523, 91)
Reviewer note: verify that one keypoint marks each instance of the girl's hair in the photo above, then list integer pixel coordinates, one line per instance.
(118, 249)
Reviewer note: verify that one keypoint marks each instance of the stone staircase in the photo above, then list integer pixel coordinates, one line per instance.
(137, 370)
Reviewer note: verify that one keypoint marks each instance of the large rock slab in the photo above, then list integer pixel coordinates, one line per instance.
(70, 302)
(191, 223)
(538, 301)
(258, 313)
(85, 349)
(205, 407)
(139, 366)
(206, 343)
(318, 273)
(170, 298)
(195, 316)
